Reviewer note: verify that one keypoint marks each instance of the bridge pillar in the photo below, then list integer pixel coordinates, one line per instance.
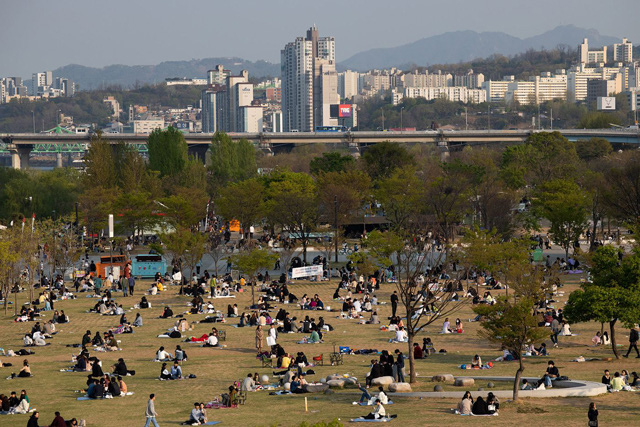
(58, 159)
(199, 151)
(443, 147)
(354, 148)
(20, 155)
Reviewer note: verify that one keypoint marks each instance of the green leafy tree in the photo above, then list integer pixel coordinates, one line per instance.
(99, 162)
(543, 156)
(135, 211)
(251, 262)
(565, 205)
(599, 120)
(612, 296)
(399, 196)
(292, 202)
(383, 158)
(350, 189)
(513, 325)
(242, 201)
(168, 151)
(230, 161)
(622, 192)
(593, 148)
(331, 162)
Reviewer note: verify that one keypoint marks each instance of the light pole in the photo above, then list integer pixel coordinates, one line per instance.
(488, 117)
(401, 124)
(335, 214)
(551, 119)
(382, 118)
(33, 117)
(466, 121)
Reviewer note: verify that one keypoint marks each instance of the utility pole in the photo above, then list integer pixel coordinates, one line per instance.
(335, 214)
(401, 125)
(33, 117)
(538, 116)
(383, 119)
(552, 119)
(488, 117)
(466, 121)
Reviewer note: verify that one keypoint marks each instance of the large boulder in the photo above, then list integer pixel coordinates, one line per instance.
(463, 382)
(315, 388)
(443, 378)
(399, 387)
(350, 381)
(336, 383)
(382, 381)
(438, 388)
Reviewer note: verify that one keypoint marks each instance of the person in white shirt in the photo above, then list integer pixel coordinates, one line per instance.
(446, 326)
(382, 397)
(212, 341)
(248, 384)
(378, 412)
(163, 355)
(401, 335)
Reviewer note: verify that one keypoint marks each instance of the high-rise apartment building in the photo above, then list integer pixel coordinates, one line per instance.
(40, 82)
(623, 52)
(586, 56)
(538, 89)
(218, 76)
(348, 84)
(223, 107)
(306, 65)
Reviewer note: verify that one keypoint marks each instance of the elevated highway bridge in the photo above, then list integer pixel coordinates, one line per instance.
(21, 145)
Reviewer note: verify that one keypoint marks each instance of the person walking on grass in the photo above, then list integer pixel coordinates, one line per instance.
(150, 412)
(633, 342)
(259, 338)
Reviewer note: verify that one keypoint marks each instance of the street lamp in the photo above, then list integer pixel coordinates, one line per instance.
(33, 117)
(401, 124)
(335, 215)
(466, 122)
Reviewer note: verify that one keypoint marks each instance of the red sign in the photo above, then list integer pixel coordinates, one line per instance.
(344, 110)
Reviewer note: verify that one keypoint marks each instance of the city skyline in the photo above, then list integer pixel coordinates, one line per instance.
(357, 26)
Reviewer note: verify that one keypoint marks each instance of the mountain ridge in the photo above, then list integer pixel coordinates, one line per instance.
(467, 45)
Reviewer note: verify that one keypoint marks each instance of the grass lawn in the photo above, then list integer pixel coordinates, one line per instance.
(51, 390)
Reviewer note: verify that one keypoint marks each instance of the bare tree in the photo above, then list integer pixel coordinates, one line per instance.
(425, 297)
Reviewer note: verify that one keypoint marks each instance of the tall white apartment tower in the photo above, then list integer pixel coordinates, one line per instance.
(307, 66)
(586, 56)
(623, 52)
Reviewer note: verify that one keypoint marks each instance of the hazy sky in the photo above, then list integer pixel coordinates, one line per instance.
(45, 34)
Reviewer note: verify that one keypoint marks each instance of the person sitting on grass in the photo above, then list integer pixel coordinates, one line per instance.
(526, 385)
(166, 313)
(212, 340)
(196, 418)
(25, 371)
(606, 379)
(551, 374)
(417, 351)
(181, 355)
(378, 412)
(480, 407)
(427, 347)
(465, 405)
(476, 363)
(617, 383)
(493, 403)
(597, 339)
(164, 372)
(248, 384)
(296, 385)
(365, 397)
(314, 337)
(176, 371)
(162, 355)
(138, 320)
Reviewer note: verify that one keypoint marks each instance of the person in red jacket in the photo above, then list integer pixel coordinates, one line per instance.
(58, 421)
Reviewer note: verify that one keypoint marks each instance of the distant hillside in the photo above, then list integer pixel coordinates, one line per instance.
(465, 46)
(129, 76)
